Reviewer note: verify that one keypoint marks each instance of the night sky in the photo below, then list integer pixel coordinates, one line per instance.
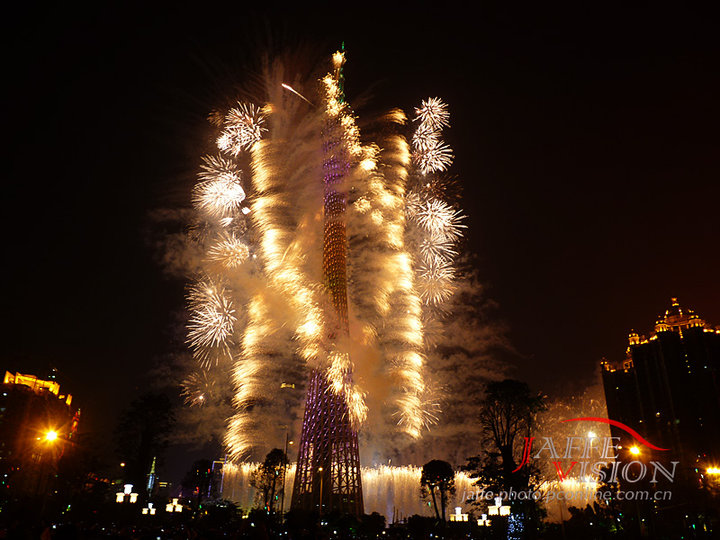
(586, 142)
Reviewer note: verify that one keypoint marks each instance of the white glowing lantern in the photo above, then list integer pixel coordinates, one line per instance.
(133, 497)
(127, 489)
(119, 496)
(484, 521)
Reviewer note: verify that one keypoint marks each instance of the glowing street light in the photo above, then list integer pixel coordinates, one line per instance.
(320, 470)
(498, 509)
(458, 515)
(149, 509)
(51, 436)
(127, 490)
(634, 450)
(173, 506)
(714, 471)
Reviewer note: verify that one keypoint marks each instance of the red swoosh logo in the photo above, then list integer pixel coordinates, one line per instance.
(622, 426)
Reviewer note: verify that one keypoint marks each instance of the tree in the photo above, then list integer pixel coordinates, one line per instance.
(198, 478)
(437, 475)
(268, 476)
(508, 413)
(143, 433)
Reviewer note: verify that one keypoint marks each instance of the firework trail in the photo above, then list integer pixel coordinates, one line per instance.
(261, 315)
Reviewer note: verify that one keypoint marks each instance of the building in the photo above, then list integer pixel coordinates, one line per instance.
(37, 423)
(668, 389)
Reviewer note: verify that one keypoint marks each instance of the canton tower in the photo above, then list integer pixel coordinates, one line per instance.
(328, 468)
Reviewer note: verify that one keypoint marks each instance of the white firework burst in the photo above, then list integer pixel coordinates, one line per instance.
(440, 219)
(437, 157)
(433, 113)
(425, 138)
(433, 247)
(213, 316)
(229, 251)
(243, 127)
(219, 191)
(436, 279)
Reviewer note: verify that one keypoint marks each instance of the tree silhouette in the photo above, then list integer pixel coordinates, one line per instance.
(437, 476)
(198, 478)
(143, 433)
(268, 476)
(507, 414)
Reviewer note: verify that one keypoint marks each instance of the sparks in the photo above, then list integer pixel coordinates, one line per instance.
(212, 318)
(243, 127)
(198, 388)
(229, 251)
(434, 113)
(261, 311)
(441, 220)
(298, 94)
(219, 192)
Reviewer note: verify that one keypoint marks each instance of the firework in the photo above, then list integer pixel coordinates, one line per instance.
(434, 157)
(440, 220)
(212, 319)
(219, 192)
(429, 152)
(229, 250)
(435, 280)
(433, 113)
(198, 388)
(435, 225)
(243, 127)
(262, 302)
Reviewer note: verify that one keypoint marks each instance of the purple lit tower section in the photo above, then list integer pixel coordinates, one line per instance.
(328, 467)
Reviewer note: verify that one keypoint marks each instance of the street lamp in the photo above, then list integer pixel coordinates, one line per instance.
(173, 506)
(127, 490)
(149, 509)
(51, 436)
(498, 509)
(285, 465)
(320, 470)
(634, 450)
(458, 515)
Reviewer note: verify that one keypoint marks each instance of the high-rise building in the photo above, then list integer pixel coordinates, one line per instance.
(36, 424)
(668, 390)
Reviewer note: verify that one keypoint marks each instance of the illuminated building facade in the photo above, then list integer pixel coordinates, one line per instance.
(668, 389)
(36, 423)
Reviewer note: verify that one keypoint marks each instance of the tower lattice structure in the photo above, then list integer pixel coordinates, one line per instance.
(328, 469)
